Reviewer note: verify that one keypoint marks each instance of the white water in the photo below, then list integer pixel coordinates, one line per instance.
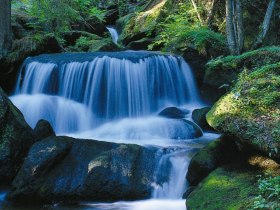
(117, 98)
(114, 34)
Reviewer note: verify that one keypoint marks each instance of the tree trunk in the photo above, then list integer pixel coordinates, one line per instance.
(239, 27)
(5, 26)
(265, 25)
(197, 12)
(230, 27)
(234, 26)
(210, 14)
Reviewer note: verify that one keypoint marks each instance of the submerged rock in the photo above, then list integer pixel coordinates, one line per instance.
(67, 169)
(43, 129)
(217, 153)
(16, 137)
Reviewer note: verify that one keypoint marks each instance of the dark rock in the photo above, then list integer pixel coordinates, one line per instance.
(199, 117)
(217, 153)
(111, 16)
(92, 25)
(67, 169)
(43, 129)
(141, 44)
(197, 63)
(188, 192)
(16, 137)
(173, 112)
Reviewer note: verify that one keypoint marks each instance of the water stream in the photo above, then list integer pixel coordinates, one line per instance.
(114, 34)
(116, 97)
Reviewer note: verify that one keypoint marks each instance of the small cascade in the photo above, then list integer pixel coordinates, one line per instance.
(170, 181)
(114, 34)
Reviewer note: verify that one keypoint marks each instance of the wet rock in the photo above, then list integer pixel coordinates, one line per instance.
(43, 129)
(16, 137)
(67, 169)
(173, 112)
(199, 117)
(217, 153)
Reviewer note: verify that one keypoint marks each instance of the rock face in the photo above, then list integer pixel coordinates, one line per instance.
(67, 169)
(217, 153)
(249, 114)
(16, 137)
(43, 129)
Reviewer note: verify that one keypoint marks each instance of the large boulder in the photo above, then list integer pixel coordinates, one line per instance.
(249, 114)
(215, 154)
(67, 169)
(236, 186)
(16, 137)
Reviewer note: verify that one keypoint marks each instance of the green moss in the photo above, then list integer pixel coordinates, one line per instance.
(226, 69)
(224, 188)
(146, 21)
(93, 44)
(250, 112)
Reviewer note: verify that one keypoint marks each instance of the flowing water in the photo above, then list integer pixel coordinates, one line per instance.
(114, 34)
(116, 97)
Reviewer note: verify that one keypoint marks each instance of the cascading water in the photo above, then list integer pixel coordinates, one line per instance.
(114, 34)
(117, 97)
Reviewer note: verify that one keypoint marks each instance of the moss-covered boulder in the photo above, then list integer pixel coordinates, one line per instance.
(225, 70)
(143, 24)
(94, 43)
(16, 137)
(67, 169)
(233, 186)
(250, 113)
(217, 153)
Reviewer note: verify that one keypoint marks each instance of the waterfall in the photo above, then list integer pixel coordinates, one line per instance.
(114, 34)
(117, 97)
(112, 88)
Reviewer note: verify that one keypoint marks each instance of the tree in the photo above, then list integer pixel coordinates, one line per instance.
(234, 26)
(5, 26)
(265, 25)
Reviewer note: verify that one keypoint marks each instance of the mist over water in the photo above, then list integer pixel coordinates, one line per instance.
(116, 97)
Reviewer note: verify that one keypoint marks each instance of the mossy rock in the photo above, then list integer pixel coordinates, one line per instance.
(94, 44)
(225, 70)
(233, 186)
(16, 137)
(250, 112)
(217, 153)
(144, 23)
